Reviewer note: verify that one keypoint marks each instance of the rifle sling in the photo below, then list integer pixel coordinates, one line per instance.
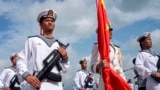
(54, 77)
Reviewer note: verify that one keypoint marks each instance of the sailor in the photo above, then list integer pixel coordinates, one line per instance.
(115, 61)
(83, 79)
(37, 48)
(8, 73)
(146, 62)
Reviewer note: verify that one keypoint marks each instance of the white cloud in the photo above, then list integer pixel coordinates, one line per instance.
(126, 12)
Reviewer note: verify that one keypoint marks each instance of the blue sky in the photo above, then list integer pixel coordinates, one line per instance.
(76, 24)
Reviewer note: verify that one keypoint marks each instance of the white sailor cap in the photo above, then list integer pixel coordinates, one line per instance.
(15, 54)
(143, 36)
(48, 13)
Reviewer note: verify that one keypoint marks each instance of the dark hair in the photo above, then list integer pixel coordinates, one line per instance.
(141, 46)
(142, 39)
(81, 61)
(11, 58)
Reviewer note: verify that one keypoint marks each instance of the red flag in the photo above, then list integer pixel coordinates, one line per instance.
(111, 79)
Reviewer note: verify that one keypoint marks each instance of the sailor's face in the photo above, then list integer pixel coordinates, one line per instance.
(47, 24)
(14, 61)
(147, 42)
(84, 65)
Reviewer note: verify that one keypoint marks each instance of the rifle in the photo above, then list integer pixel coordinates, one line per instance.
(88, 81)
(13, 81)
(50, 61)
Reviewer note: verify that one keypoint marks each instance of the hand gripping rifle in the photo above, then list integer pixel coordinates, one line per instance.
(50, 61)
(13, 81)
(88, 81)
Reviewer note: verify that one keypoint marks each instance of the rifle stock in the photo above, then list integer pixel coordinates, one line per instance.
(13, 81)
(50, 61)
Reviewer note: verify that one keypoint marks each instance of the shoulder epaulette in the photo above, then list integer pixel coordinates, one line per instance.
(6, 67)
(33, 36)
(78, 70)
(116, 45)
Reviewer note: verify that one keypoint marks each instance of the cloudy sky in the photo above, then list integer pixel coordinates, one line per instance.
(76, 24)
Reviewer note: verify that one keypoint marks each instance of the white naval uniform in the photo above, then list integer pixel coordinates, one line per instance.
(119, 55)
(140, 79)
(114, 63)
(36, 50)
(5, 77)
(79, 80)
(146, 64)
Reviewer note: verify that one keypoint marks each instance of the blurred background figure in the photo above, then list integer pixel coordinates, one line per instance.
(84, 78)
(10, 73)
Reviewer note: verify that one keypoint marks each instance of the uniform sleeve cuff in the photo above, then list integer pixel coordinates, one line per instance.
(64, 61)
(25, 74)
(94, 68)
(153, 74)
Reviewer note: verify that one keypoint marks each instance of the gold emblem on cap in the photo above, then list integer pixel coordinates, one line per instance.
(50, 13)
